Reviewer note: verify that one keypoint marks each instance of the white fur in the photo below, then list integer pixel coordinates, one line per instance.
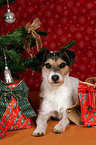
(56, 99)
(54, 73)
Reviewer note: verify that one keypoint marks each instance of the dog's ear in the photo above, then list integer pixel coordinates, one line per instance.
(71, 56)
(40, 55)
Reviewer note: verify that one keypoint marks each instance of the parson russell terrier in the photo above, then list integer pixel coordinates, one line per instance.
(59, 91)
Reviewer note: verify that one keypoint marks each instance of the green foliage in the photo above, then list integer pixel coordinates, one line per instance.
(15, 62)
(16, 39)
(70, 44)
(42, 33)
(32, 63)
(13, 44)
(4, 2)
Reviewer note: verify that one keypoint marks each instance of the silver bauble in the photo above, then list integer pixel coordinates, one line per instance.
(9, 17)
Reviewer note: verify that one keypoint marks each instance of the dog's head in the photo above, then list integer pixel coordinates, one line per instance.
(55, 65)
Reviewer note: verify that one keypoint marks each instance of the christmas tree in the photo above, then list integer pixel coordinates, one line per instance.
(18, 41)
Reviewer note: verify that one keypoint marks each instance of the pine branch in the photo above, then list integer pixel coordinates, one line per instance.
(42, 33)
(16, 39)
(14, 61)
(4, 2)
(32, 63)
(13, 44)
(70, 44)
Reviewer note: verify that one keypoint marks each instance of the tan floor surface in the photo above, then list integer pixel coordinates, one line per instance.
(73, 135)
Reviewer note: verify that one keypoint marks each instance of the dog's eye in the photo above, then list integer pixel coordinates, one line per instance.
(48, 65)
(62, 65)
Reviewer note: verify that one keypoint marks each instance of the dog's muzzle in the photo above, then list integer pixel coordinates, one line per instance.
(55, 78)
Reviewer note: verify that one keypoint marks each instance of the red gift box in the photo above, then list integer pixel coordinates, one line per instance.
(87, 95)
(3, 127)
(14, 118)
(16, 109)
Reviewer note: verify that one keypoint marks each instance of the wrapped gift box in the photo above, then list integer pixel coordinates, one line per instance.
(14, 117)
(14, 105)
(87, 95)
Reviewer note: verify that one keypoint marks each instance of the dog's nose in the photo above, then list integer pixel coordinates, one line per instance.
(55, 78)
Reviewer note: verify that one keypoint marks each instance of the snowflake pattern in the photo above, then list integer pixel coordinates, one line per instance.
(64, 20)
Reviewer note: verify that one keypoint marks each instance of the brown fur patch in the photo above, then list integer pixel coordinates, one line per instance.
(55, 66)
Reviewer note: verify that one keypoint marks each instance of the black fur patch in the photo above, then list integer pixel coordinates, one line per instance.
(66, 55)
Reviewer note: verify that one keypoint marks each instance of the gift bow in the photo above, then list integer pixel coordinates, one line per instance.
(31, 28)
(20, 93)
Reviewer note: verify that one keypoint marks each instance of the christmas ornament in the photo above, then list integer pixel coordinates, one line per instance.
(9, 17)
(7, 74)
(31, 29)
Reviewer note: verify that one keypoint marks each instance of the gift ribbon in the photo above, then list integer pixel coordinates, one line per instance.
(20, 93)
(92, 96)
(31, 28)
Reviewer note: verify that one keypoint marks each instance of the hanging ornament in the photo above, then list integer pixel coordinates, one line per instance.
(9, 17)
(31, 29)
(7, 74)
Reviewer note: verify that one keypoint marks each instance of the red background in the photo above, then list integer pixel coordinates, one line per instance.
(64, 20)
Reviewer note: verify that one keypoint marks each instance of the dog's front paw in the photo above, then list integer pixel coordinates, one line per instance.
(38, 132)
(59, 129)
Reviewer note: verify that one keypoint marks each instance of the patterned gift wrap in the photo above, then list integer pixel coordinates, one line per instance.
(15, 106)
(3, 127)
(87, 95)
(15, 119)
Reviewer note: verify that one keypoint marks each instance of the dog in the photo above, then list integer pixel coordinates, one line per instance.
(58, 90)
